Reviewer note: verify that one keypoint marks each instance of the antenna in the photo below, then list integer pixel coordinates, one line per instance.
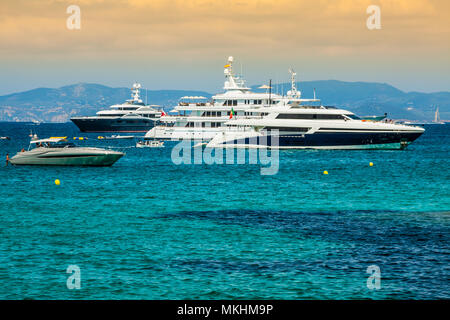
(314, 93)
(270, 92)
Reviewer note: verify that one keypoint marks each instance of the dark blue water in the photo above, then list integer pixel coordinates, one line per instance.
(147, 228)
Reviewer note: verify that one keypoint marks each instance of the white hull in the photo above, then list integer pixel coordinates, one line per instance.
(175, 133)
(351, 135)
(384, 146)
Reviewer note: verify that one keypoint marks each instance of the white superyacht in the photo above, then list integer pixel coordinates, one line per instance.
(291, 124)
(131, 116)
(201, 120)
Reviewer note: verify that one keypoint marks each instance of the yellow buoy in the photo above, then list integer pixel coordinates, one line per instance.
(371, 164)
(57, 182)
(80, 138)
(325, 172)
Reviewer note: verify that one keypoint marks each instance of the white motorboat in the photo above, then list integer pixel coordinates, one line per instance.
(150, 144)
(118, 137)
(4, 138)
(57, 151)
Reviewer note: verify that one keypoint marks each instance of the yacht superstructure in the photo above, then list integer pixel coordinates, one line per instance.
(201, 120)
(291, 124)
(132, 116)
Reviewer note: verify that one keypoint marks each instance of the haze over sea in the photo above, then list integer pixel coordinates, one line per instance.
(146, 228)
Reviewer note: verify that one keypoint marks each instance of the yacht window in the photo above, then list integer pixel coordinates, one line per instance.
(281, 129)
(230, 103)
(310, 116)
(330, 117)
(295, 116)
(61, 144)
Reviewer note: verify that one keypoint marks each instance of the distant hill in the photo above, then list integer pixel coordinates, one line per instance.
(58, 105)
(363, 98)
(367, 98)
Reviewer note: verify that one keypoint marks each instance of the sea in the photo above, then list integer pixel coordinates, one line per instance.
(149, 227)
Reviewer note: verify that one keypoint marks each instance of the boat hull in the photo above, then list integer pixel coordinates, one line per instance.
(103, 159)
(176, 133)
(345, 141)
(89, 124)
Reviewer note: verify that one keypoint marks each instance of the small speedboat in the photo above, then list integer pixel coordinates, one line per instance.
(150, 144)
(4, 138)
(57, 151)
(374, 118)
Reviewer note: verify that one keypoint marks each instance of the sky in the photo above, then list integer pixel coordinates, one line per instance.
(175, 44)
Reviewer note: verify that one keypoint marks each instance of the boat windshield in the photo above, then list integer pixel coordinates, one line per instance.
(55, 144)
(61, 144)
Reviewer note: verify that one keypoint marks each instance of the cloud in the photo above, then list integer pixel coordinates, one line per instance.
(146, 27)
(321, 35)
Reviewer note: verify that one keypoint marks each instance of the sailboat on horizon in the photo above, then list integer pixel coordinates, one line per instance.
(437, 118)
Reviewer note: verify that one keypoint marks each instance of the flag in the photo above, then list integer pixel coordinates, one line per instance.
(163, 113)
(231, 113)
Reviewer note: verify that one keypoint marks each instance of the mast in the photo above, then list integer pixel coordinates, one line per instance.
(293, 92)
(270, 92)
(233, 82)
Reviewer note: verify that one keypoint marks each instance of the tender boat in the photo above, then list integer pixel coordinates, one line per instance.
(57, 151)
(118, 137)
(150, 144)
(374, 118)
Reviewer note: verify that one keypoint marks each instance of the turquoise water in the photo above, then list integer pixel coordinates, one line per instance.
(146, 228)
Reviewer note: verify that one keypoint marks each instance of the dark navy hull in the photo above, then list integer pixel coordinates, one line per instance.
(335, 140)
(114, 125)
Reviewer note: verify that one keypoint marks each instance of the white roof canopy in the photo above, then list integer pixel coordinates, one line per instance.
(53, 139)
(193, 97)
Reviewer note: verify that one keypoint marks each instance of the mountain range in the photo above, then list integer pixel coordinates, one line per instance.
(362, 98)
